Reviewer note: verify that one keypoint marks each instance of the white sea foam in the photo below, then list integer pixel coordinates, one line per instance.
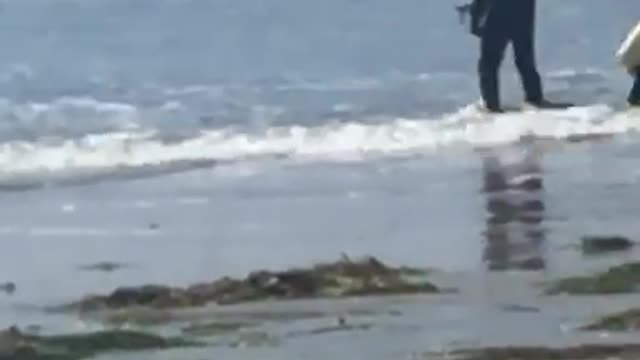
(67, 115)
(114, 152)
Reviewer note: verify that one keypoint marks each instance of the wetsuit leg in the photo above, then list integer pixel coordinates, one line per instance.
(492, 46)
(524, 54)
(634, 94)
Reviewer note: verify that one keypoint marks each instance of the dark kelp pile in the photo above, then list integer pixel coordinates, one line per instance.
(617, 280)
(584, 352)
(343, 278)
(16, 345)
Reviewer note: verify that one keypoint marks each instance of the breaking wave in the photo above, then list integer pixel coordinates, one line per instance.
(144, 153)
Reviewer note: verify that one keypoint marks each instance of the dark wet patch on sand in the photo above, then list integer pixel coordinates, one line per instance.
(104, 266)
(595, 245)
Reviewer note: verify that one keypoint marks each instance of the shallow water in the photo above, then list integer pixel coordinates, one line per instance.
(195, 139)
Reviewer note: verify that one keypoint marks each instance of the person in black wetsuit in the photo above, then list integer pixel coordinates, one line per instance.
(498, 23)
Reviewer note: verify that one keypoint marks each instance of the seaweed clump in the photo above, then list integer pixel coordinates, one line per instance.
(617, 280)
(628, 320)
(344, 278)
(16, 345)
(584, 352)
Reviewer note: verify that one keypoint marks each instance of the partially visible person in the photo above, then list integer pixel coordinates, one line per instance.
(634, 95)
(628, 55)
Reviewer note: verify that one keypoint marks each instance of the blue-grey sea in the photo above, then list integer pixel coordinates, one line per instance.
(193, 139)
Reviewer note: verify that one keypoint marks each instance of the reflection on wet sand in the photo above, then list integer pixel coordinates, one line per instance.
(514, 190)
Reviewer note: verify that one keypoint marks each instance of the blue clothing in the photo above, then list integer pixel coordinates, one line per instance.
(634, 94)
(498, 23)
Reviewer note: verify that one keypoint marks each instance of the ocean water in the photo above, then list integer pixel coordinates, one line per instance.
(194, 139)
